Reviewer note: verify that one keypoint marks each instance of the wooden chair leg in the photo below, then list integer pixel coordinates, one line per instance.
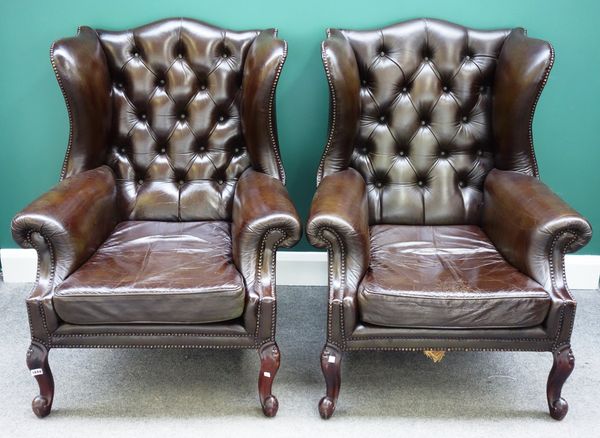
(564, 362)
(331, 362)
(269, 364)
(37, 362)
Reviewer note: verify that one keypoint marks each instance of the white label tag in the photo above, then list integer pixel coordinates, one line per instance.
(331, 359)
(267, 374)
(37, 372)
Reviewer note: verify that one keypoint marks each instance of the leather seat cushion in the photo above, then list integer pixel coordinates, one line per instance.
(156, 272)
(445, 277)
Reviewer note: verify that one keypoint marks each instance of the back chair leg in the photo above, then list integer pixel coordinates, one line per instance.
(37, 362)
(269, 364)
(564, 361)
(331, 363)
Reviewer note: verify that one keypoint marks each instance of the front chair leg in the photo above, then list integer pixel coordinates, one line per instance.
(331, 364)
(564, 361)
(269, 364)
(37, 362)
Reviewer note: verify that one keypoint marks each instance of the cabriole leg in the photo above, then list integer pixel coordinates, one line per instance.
(331, 362)
(37, 362)
(269, 364)
(564, 361)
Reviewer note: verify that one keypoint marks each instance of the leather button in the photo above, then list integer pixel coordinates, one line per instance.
(180, 55)
(161, 82)
(203, 87)
(480, 152)
(220, 182)
(445, 89)
(140, 181)
(236, 151)
(482, 88)
(379, 184)
(143, 116)
(364, 82)
(120, 85)
(426, 59)
(443, 153)
(181, 182)
(382, 119)
(122, 150)
(364, 150)
(136, 54)
(182, 116)
(467, 57)
(224, 55)
(423, 122)
(404, 89)
(402, 153)
(221, 118)
(465, 119)
(382, 53)
(163, 150)
(420, 183)
(461, 184)
(201, 148)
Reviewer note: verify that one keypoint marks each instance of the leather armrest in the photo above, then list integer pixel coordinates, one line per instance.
(339, 220)
(342, 73)
(264, 219)
(531, 226)
(68, 223)
(262, 68)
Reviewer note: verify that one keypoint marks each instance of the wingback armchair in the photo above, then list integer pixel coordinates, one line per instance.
(440, 234)
(164, 228)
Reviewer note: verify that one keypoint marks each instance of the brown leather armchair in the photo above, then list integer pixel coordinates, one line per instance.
(440, 234)
(164, 228)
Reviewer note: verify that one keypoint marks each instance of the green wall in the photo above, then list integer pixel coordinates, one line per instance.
(33, 118)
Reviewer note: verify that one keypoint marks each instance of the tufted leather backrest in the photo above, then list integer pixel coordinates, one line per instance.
(424, 109)
(175, 136)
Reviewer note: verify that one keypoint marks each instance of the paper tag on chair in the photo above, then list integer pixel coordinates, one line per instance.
(331, 359)
(435, 355)
(267, 374)
(37, 372)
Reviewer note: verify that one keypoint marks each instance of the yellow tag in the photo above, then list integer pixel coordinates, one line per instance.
(435, 355)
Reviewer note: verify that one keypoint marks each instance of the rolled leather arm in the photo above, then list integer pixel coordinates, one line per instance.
(339, 220)
(70, 221)
(264, 219)
(530, 225)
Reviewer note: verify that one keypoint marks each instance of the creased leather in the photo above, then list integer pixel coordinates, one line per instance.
(74, 218)
(445, 277)
(161, 105)
(440, 106)
(523, 68)
(264, 219)
(424, 142)
(339, 221)
(523, 217)
(156, 273)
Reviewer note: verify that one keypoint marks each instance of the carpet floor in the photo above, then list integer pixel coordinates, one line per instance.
(208, 393)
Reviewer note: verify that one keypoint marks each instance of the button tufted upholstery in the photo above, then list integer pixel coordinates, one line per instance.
(174, 136)
(440, 234)
(164, 228)
(424, 140)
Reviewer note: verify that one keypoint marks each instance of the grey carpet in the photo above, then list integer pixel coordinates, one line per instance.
(210, 393)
